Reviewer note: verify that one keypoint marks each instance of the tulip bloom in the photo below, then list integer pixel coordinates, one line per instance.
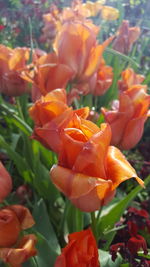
(129, 78)
(14, 251)
(102, 80)
(89, 170)
(47, 74)
(18, 255)
(11, 63)
(80, 251)
(128, 117)
(51, 115)
(5, 183)
(81, 53)
(126, 37)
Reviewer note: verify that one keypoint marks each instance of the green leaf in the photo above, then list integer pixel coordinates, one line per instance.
(46, 255)
(146, 256)
(105, 259)
(18, 160)
(31, 262)
(43, 184)
(124, 57)
(44, 227)
(107, 222)
(16, 120)
(74, 218)
(125, 265)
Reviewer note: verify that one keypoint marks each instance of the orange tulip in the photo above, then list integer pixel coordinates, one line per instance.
(89, 170)
(129, 78)
(80, 251)
(51, 115)
(5, 183)
(102, 80)
(22, 252)
(81, 53)
(48, 107)
(126, 37)
(13, 219)
(128, 117)
(11, 63)
(47, 75)
(9, 228)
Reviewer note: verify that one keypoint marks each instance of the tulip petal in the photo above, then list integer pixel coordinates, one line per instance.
(82, 112)
(5, 183)
(71, 146)
(49, 134)
(91, 160)
(133, 133)
(16, 256)
(95, 58)
(9, 228)
(118, 168)
(89, 195)
(80, 251)
(24, 216)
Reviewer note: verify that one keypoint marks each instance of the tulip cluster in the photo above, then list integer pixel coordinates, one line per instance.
(54, 20)
(90, 167)
(14, 249)
(85, 156)
(80, 67)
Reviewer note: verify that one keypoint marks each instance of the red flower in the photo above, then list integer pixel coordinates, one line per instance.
(114, 249)
(136, 242)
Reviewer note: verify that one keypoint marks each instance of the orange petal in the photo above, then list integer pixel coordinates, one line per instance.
(5, 183)
(56, 95)
(49, 134)
(118, 168)
(86, 192)
(24, 216)
(94, 60)
(43, 113)
(91, 160)
(19, 58)
(95, 57)
(133, 133)
(16, 256)
(9, 228)
(72, 143)
(82, 112)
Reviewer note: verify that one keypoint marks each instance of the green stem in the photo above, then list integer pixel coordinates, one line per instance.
(99, 214)
(79, 219)
(94, 225)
